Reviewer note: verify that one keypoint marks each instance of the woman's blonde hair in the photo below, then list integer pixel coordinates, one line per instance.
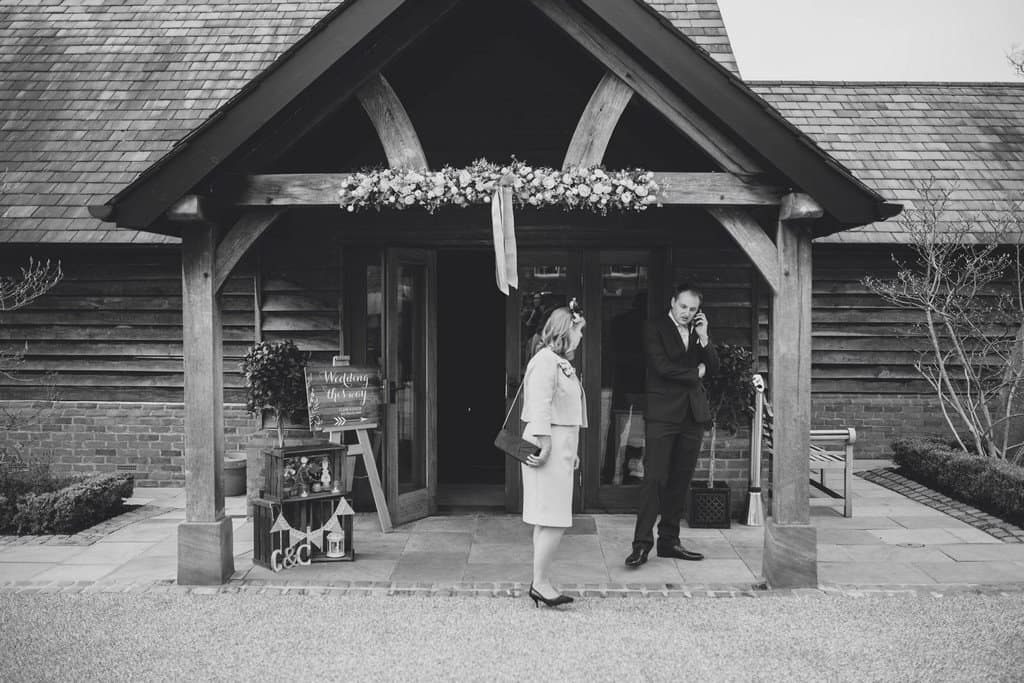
(556, 331)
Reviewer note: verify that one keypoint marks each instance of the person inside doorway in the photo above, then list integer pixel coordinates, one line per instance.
(554, 410)
(679, 355)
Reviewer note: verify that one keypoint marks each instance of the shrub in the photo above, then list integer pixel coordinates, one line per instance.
(74, 505)
(995, 486)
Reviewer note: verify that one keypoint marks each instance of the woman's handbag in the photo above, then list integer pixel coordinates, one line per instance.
(514, 446)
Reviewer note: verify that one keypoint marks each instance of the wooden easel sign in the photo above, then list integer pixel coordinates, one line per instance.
(345, 398)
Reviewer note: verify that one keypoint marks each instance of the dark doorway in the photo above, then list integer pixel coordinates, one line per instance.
(470, 380)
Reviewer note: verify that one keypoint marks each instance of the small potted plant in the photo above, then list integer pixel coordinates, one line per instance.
(730, 396)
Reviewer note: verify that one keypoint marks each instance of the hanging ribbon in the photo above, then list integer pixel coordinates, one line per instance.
(506, 260)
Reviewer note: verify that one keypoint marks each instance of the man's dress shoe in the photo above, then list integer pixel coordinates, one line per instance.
(679, 552)
(637, 557)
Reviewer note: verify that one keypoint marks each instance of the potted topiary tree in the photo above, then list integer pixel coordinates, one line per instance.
(275, 382)
(730, 396)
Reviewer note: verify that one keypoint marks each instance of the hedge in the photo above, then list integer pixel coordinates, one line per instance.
(995, 486)
(77, 505)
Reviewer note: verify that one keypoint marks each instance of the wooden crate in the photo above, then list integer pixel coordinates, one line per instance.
(301, 515)
(281, 488)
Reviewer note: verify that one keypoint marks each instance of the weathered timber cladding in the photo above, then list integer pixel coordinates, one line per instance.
(300, 289)
(111, 330)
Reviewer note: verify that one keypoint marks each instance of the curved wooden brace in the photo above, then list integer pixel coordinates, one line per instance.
(394, 127)
(237, 242)
(753, 240)
(597, 122)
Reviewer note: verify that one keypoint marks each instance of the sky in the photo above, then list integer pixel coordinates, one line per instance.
(904, 40)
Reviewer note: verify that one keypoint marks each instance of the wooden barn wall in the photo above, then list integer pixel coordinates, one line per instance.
(111, 329)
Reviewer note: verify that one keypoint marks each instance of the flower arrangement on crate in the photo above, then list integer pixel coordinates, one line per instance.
(275, 381)
(304, 475)
(588, 189)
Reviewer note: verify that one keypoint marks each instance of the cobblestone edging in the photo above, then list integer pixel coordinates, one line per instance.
(495, 590)
(891, 479)
(93, 533)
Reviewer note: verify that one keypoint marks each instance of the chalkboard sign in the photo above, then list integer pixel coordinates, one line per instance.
(342, 396)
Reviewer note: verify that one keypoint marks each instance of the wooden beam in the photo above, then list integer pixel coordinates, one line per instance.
(597, 122)
(790, 555)
(205, 538)
(204, 390)
(714, 189)
(798, 206)
(321, 189)
(791, 374)
(238, 241)
(753, 240)
(680, 114)
(189, 209)
(394, 127)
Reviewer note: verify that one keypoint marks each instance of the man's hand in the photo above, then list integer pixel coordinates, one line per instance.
(700, 326)
(701, 370)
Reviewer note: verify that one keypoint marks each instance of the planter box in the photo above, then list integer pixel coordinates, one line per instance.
(709, 507)
(281, 488)
(300, 515)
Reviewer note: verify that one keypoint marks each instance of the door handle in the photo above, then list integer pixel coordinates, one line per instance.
(392, 392)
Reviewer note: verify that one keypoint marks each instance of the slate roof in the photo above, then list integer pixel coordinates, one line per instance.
(897, 137)
(94, 91)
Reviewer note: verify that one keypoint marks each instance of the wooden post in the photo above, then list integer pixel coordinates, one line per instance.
(790, 542)
(205, 538)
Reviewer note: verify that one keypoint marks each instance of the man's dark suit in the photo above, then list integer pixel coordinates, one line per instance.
(677, 411)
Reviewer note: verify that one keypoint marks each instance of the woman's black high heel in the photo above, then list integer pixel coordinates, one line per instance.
(553, 602)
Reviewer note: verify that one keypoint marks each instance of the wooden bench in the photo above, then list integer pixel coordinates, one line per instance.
(832, 449)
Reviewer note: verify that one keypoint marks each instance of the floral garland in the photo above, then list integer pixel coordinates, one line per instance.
(588, 189)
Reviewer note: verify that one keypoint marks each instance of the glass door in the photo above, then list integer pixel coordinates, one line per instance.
(547, 280)
(620, 300)
(410, 369)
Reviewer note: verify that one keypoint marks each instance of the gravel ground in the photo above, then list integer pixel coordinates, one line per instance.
(120, 637)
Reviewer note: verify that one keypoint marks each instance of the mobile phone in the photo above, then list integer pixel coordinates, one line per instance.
(693, 323)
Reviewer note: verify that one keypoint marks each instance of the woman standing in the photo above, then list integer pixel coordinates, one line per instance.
(554, 410)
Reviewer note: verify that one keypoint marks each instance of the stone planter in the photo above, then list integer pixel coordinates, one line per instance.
(234, 473)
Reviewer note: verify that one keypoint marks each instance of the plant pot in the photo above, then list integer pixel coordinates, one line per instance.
(709, 506)
(234, 473)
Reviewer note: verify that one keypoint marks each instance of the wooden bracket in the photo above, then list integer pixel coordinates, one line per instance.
(753, 240)
(243, 234)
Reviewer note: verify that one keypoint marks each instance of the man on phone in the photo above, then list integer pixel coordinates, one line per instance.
(679, 355)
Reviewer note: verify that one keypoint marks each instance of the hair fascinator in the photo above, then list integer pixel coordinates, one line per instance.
(576, 310)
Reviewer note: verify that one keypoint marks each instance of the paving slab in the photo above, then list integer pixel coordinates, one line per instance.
(144, 569)
(501, 553)
(715, 571)
(147, 530)
(894, 553)
(936, 520)
(426, 566)
(39, 553)
(440, 542)
(871, 573)
(105, 552)
(77, 572)
(976, 552)
(22, 571)
(974, 572)
(521, 572)
(652, 572)
(971, 535)
(834, 536)
(920, 536)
